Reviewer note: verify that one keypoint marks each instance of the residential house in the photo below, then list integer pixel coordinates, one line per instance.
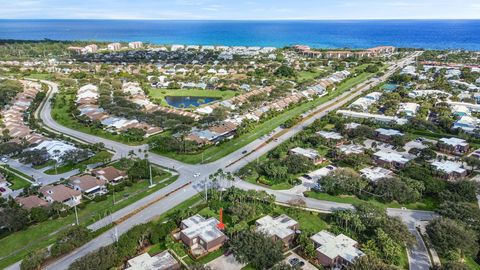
(214, 134)
(365, 102)
(449, 169)
(201, 235)
(31, 201)
(375, 117)
(110, 174)
(336, 252)
(476, 154)
(162, 261)
(330, 135)
(460, 110)
(387, 135)
(309, 153)
(281, 228)
(453, 145)
(87, 184)
(376, 173)
(468, 124)
(61, 194)
(351, 149)
(391, 159)
(409, 109)
(317, 174)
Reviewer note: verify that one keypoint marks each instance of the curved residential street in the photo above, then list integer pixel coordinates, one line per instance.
(187, 185)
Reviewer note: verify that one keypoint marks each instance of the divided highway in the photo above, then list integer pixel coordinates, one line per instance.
(187, 185)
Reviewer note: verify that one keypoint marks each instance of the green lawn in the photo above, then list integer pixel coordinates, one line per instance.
(16, 181)
(159, 94)
(404, 260)
(426, 204)
(17, 245)
(40, 76)
(61, 115)
(210, 257)
(309, 221)
(216, 152)
(97, 158)
(279, 186)
(472, 264)
(308, 75)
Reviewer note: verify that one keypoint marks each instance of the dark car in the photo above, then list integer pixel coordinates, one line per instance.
(244, 152)
(293, 261)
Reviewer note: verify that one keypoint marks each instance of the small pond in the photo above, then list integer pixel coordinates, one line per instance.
(185, 102)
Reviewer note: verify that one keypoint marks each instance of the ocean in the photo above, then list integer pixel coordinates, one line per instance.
(428, 34)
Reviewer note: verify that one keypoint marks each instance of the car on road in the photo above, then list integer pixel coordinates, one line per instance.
(196, 175)
(244, 152)
(4, 160)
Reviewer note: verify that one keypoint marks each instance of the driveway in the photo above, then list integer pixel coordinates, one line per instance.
(225, 262)
(307, 266)
(417, 255)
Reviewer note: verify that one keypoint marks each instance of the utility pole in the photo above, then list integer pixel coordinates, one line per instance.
(206, 190)
(76, 213)
(116, 234)
(151, 179)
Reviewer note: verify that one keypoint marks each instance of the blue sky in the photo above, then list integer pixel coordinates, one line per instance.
(240, 9)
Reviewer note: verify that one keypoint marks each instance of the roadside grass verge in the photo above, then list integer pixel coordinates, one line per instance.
(17, 245)
(428, 204)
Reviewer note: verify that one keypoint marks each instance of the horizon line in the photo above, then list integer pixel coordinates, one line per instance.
(286, 19)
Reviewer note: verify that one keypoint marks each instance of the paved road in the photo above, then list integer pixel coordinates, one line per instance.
(417, 255)
(186, 171)
(38, 175)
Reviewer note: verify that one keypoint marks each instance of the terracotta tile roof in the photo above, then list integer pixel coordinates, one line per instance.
(59, 193)
(31, 202)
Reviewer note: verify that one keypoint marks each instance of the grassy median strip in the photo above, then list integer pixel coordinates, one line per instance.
(216, 152)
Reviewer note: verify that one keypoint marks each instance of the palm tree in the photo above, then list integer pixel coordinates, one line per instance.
(131, 153)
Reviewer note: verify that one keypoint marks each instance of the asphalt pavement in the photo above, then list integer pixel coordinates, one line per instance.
(152, 208)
